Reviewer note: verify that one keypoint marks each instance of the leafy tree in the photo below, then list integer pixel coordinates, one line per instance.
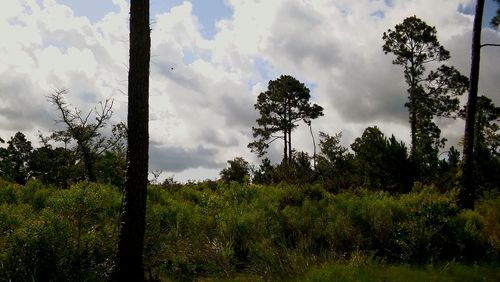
(281, 107)
(381, 163)
(448, 170)
(14, 159)
(57, 166)
(238, 171)
(335, 165)
(264, 174)
(111, 168)
(415, 45)
(301, 166)
(89, 141)
(129, 266)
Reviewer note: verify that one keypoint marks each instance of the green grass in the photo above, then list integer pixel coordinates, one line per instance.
(372, 272)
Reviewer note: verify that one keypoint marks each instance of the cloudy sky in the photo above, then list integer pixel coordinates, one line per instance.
(210, 60)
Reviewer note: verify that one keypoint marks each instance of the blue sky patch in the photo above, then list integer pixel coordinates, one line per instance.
(188, 57)
(208, 12)
(88, 8)
(490, 9)
(378, 14)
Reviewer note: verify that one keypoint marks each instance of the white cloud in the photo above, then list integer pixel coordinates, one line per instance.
(203, 91)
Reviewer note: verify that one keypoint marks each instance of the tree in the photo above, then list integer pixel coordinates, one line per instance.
(14, 159)
(467, 193)
(415, 44)
(238, 170)
(81, 128)
(381, 163)
(281, 107)
(264, 174)
(335, 164)
(57, 166)
(129, 265)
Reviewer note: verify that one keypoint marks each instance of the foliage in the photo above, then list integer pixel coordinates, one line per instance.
(202, 230)
(486, 144)
(335, 164)
(57, 166)
(238, 171)
(14, 159)
(381, 163)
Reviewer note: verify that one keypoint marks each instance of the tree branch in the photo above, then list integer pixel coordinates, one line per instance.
(489, 44)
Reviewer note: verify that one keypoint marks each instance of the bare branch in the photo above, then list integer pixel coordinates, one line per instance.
(489, 44)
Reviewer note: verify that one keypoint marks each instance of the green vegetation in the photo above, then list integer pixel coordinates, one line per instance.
(212, 230)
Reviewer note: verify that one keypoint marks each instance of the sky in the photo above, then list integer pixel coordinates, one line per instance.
(211, 59)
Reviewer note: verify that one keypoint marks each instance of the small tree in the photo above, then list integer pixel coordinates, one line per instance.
(381, 163)
(335, 163)
(57, 166)
(281, 107)
(14, 159)
(264, 174)
(238, 171)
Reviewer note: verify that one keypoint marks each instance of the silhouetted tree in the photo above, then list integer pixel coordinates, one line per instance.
(238, 170)
(14, 159)
(281, 107)
(57, 166)
(84, 130)
(335, 165)
(381, 163)
(129, 265)
(264, 174)
(415, 44)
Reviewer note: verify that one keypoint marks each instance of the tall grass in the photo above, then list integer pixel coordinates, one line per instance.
(233, 231)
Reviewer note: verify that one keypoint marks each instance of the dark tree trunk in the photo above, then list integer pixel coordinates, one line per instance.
(131, 238)
(285, 148)
(415, 165)
(467, 192)
(290, 143)
(88, 163)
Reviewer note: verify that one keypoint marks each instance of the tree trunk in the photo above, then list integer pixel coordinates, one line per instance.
(467, 192)
(290, 143)
(88, 163)
(131, 238)
(285, 148)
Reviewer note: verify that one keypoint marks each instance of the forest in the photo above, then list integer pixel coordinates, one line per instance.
(80, 206)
